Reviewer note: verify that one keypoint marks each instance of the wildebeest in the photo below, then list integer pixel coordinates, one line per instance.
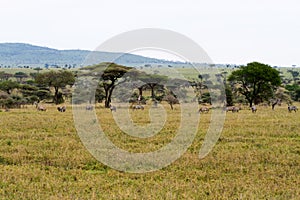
(203, 110)
(113, 108)
(138, 107)
(62, 108)
(89, 107)
(292, 108)
(254, 109)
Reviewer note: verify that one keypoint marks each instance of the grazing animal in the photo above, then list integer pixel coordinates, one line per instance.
(62, 108)
(39, 107)
(89, 107)
(274, 103)
(203, 110)
(235, 109)
(292, 108)
(232, 109)
(113, 108)
(254, 109)
(138, 107)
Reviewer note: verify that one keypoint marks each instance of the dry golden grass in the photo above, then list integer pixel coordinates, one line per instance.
(256, 157)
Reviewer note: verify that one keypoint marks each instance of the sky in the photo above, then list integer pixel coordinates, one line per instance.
(231, 31)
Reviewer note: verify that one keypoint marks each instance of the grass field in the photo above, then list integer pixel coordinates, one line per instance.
(256, 157)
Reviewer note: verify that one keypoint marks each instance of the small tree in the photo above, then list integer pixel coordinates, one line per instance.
(171, 100)
(57, 80)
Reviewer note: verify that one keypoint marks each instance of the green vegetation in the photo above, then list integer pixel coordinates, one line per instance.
(42, 157)
(256, 81)
(257, 157)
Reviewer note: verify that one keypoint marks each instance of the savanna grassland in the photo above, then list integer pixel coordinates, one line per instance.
(256, 157)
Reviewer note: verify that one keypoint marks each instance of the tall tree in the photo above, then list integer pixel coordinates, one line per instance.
(110, 75)
(57, 80)
(255, 80)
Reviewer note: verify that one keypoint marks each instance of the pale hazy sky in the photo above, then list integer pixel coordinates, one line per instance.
(230, 31)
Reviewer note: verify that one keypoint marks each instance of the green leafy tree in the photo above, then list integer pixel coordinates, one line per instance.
(8, 86)
(57, 80)
(229, 96)
(255, 80)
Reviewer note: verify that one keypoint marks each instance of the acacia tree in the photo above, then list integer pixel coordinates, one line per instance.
(57, 80)
(110, 75)
(171, 99)
(255, 80)
(145, 80)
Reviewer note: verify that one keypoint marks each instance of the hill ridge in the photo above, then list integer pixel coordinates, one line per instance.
(15, 54)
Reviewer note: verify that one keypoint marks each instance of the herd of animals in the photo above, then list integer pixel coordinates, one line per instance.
(204, 109)
(237, 109)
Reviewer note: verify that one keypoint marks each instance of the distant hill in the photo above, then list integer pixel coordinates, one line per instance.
(20, 54)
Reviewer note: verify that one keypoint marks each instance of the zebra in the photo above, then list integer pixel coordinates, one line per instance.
(292, 108)
(39, 107)
(232, 109)
(89, 107)
(112, 108)
(254, 109)
(62, 108)
(203, 110)
(235, 109)
(137, 107)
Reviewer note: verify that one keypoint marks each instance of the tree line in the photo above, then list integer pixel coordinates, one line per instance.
(253, 83)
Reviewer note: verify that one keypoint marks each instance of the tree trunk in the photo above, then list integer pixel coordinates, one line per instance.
(140, 91)
(56, 95)
(152, 91)
(108, 95)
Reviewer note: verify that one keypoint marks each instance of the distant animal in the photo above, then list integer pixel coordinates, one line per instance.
(232, 109)
(39, 107)
(235, 109)
(89, 107)
(292, 108)
(275, 102)
(62, 108)
(254, 109)
(203, 110)
(138, 107)
(113, 108)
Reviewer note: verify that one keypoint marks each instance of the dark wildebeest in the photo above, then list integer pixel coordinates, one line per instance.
(138, 107)
(203, 110)
(292, 108)
(254, 109)
(62, 108)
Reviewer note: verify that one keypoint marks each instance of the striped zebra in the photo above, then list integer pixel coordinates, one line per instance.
(232, 109)
(203, 110)
(138, 107)
(254, 109)
(292, 108)
(113, 108)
